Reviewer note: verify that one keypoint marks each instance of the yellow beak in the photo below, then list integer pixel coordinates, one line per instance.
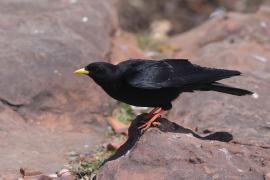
(81, 71)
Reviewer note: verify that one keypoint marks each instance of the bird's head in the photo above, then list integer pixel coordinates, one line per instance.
(99, 71)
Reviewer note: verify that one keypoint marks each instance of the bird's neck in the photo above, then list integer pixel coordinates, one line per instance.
(111, 83)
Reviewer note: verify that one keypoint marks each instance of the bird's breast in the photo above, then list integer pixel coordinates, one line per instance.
(143, 97)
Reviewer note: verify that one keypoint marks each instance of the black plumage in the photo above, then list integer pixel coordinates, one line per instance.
(152, 83)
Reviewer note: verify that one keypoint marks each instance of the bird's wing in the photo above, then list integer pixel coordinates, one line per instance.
(170, 73)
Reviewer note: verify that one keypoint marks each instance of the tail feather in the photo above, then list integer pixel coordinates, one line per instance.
(219, 87)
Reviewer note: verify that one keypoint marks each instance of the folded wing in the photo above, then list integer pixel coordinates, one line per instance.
(173, 73)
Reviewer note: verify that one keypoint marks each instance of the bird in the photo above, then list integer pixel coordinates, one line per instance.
(156, 83)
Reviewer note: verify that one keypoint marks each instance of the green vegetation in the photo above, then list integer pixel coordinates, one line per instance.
(86, 169)
(144, 41)
(147, 44)
(123, 112)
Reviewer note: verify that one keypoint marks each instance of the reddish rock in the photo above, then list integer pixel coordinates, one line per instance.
(117, 126)
(233, 41)
(29, 172)
(172, 152)
(267, 176)
(46, 110)
(247, 118)
(124, 46)
(66, 178)
(41, 45)
(138, 16)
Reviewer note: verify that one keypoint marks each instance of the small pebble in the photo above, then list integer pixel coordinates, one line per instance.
(63, 172)
(189, 135)
(218, 12)
(86, 146)
(53, 175)
(263, 24)
(72, 153)
(260, 58)
(73, 1)
(255, 95)
(215, 176)
(84, 19)
(267, 176)
(72, 158)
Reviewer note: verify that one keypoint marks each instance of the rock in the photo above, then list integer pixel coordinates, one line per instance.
(124, 46)
(267, 176)
(247, 118)
(173, 152)
(233, 41)
(8, 176)
(47, 111)
(63, 173)
(29, 172)
(138, 15)
(117, 126)
(160, 30)
(239, 41)
(41, 45)
(66, 178)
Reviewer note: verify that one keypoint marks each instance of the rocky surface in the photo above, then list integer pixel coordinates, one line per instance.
(181, 14)
(238, 42)
(234, 41)
(124, 46)
(46, 111)
(173, 152)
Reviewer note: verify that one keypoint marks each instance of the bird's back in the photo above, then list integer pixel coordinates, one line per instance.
(152, 74)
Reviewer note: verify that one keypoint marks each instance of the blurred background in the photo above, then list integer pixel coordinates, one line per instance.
(141, 16)
(50, 118)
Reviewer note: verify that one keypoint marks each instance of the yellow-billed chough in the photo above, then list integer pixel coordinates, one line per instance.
(152, 83)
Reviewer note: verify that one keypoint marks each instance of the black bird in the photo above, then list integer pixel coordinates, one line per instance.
(156, 83)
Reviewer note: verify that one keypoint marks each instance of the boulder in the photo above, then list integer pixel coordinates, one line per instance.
(124, 46)
(138, 15)
(46, 110)
(173, 152)
(41, 45)
(233, 41)
(239, 149)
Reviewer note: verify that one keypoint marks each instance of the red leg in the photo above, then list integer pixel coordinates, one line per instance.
(148, 123)
(152, 112)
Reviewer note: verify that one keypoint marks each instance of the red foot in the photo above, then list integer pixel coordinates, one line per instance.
(148, 123)
(152, 113)
(156, 124)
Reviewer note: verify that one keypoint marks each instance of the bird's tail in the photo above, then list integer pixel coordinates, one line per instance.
(219, 87)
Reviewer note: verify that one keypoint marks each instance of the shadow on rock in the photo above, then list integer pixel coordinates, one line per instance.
(134, 134)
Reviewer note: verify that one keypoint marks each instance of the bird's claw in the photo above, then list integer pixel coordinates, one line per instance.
(155, 115)
(156, 124)
(144, 127)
